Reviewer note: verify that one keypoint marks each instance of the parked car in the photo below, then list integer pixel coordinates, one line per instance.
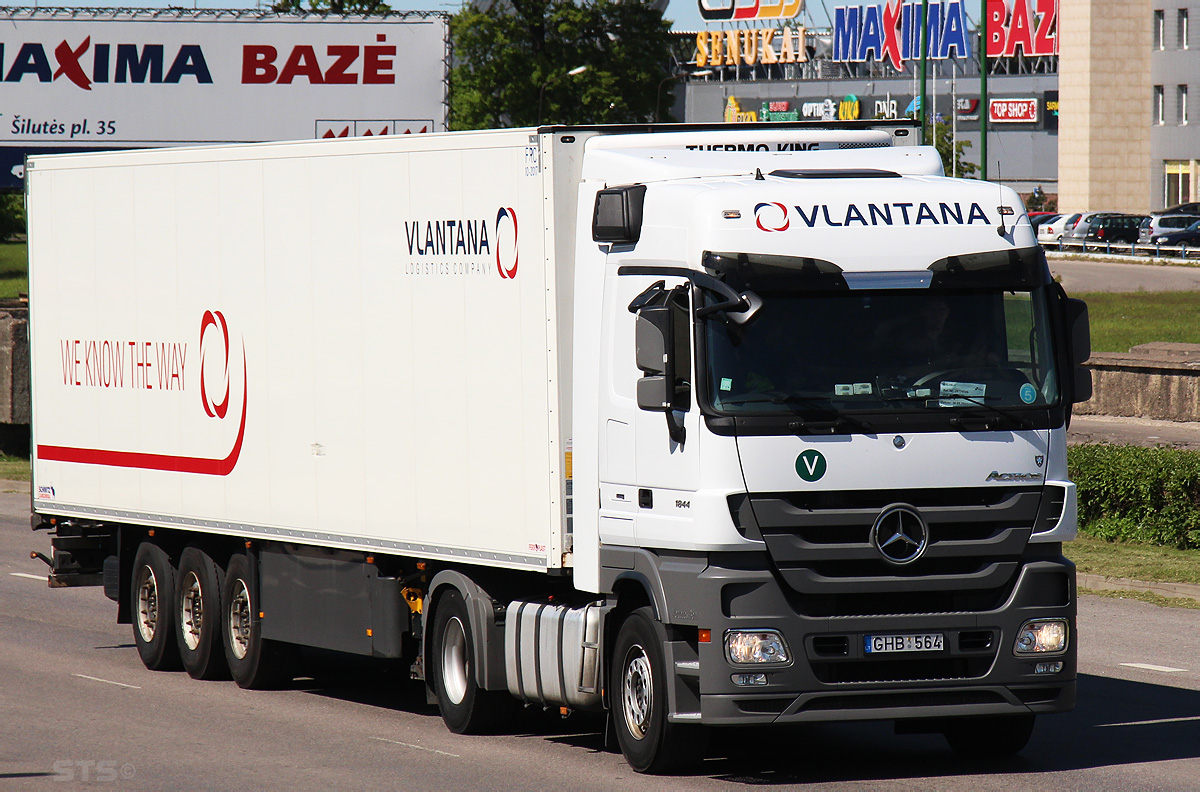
(1188, 236)
(1156, 225)
(1037, 218)
(1077, 236)
(1115, 229)
(1051, 231)
(1183, 208)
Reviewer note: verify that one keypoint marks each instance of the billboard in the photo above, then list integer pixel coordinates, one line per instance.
(131, 79)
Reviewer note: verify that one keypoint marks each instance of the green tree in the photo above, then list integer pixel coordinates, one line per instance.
(12, 215)
(515, 56)
(367, 7)
(952, 152)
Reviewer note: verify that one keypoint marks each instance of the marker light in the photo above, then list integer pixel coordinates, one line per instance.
(1042, 636)
(746, 647)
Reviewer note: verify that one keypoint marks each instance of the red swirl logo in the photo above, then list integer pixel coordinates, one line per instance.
(506, 243)
(771, 223)
(214, 364)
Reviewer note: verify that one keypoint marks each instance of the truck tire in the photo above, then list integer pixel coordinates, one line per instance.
(152, 598)
(254, 662)
(198, 627)
(649, 742)
(465, 707)
(992, 737)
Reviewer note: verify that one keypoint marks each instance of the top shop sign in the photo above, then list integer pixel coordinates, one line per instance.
(133, 79)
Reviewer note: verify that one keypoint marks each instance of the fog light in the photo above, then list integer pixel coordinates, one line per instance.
(1041, 635)
(1048, 668)
(746, 647)
(749, 679)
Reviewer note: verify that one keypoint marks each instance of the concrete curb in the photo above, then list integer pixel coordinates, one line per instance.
(1101, 583)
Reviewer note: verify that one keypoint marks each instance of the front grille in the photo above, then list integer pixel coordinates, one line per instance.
(874, 701)
(912, 670)
(820, 544)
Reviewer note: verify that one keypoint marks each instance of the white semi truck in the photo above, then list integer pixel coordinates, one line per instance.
(699, 426)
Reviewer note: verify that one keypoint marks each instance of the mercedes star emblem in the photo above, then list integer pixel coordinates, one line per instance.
(899, 534)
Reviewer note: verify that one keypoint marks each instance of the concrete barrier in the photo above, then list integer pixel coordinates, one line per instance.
(14, 366)
(1159, 380)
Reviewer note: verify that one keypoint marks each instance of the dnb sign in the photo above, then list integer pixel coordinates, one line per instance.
(130, 79)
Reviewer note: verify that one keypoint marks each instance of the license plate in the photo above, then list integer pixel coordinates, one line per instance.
(923, 642)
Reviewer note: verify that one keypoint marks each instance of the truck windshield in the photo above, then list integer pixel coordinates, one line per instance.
(950, 343)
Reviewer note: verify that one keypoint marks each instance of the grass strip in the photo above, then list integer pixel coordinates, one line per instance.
(1133, 560)
(14, 269)
(1146, 596)
(1121, 321)
(13, 468)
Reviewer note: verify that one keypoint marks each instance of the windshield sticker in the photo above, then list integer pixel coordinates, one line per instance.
(841, 389)
(1028, 393)
(863, 389)
(810, 465)
(972, 390)
(726, 383)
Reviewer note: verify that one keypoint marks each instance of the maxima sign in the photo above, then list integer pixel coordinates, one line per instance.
(126, 79)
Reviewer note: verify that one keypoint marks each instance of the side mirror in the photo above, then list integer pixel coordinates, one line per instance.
(653, 339)
(1080, 331)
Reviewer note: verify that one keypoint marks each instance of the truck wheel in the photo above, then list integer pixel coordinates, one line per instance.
(254, 662)
(153, 595)
(992, 737)
(465, 707)
(650, 743)
(199, 626)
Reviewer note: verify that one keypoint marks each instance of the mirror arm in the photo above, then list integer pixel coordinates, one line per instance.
(675, 427)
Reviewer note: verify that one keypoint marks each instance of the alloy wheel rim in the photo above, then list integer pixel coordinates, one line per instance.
(454, 660)
(637, 692)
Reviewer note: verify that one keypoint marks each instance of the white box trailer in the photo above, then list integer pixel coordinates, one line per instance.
(405, 397)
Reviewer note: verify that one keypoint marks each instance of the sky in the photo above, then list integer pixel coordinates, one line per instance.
(684, 14)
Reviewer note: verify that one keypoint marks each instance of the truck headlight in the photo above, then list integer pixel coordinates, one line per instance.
(1042, 636)
(754, 647)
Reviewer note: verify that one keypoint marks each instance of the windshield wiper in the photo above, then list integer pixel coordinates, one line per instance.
(962, 422)
(805, 426)
(1011, 416)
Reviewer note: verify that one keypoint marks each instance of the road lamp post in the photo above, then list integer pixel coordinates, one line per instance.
(542, 91)
(665, 80)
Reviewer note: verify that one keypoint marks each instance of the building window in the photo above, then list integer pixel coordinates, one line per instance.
(1183, 28)
(1160, 117)
(1159, 38)
(1181, 92)
(1177, 181)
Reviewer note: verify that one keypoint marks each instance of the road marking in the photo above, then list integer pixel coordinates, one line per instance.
(29, 576)
(1148, 667)
(418, 747)
(107, 681)
(1192, 719)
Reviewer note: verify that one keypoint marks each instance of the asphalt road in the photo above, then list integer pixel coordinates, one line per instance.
(1112, 276)
(78, 710)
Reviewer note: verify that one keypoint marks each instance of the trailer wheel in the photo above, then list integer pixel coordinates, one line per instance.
(465, 707)
(650, 743)
(989, 737)
(254, 662)
(152, 595)
(198, 628)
